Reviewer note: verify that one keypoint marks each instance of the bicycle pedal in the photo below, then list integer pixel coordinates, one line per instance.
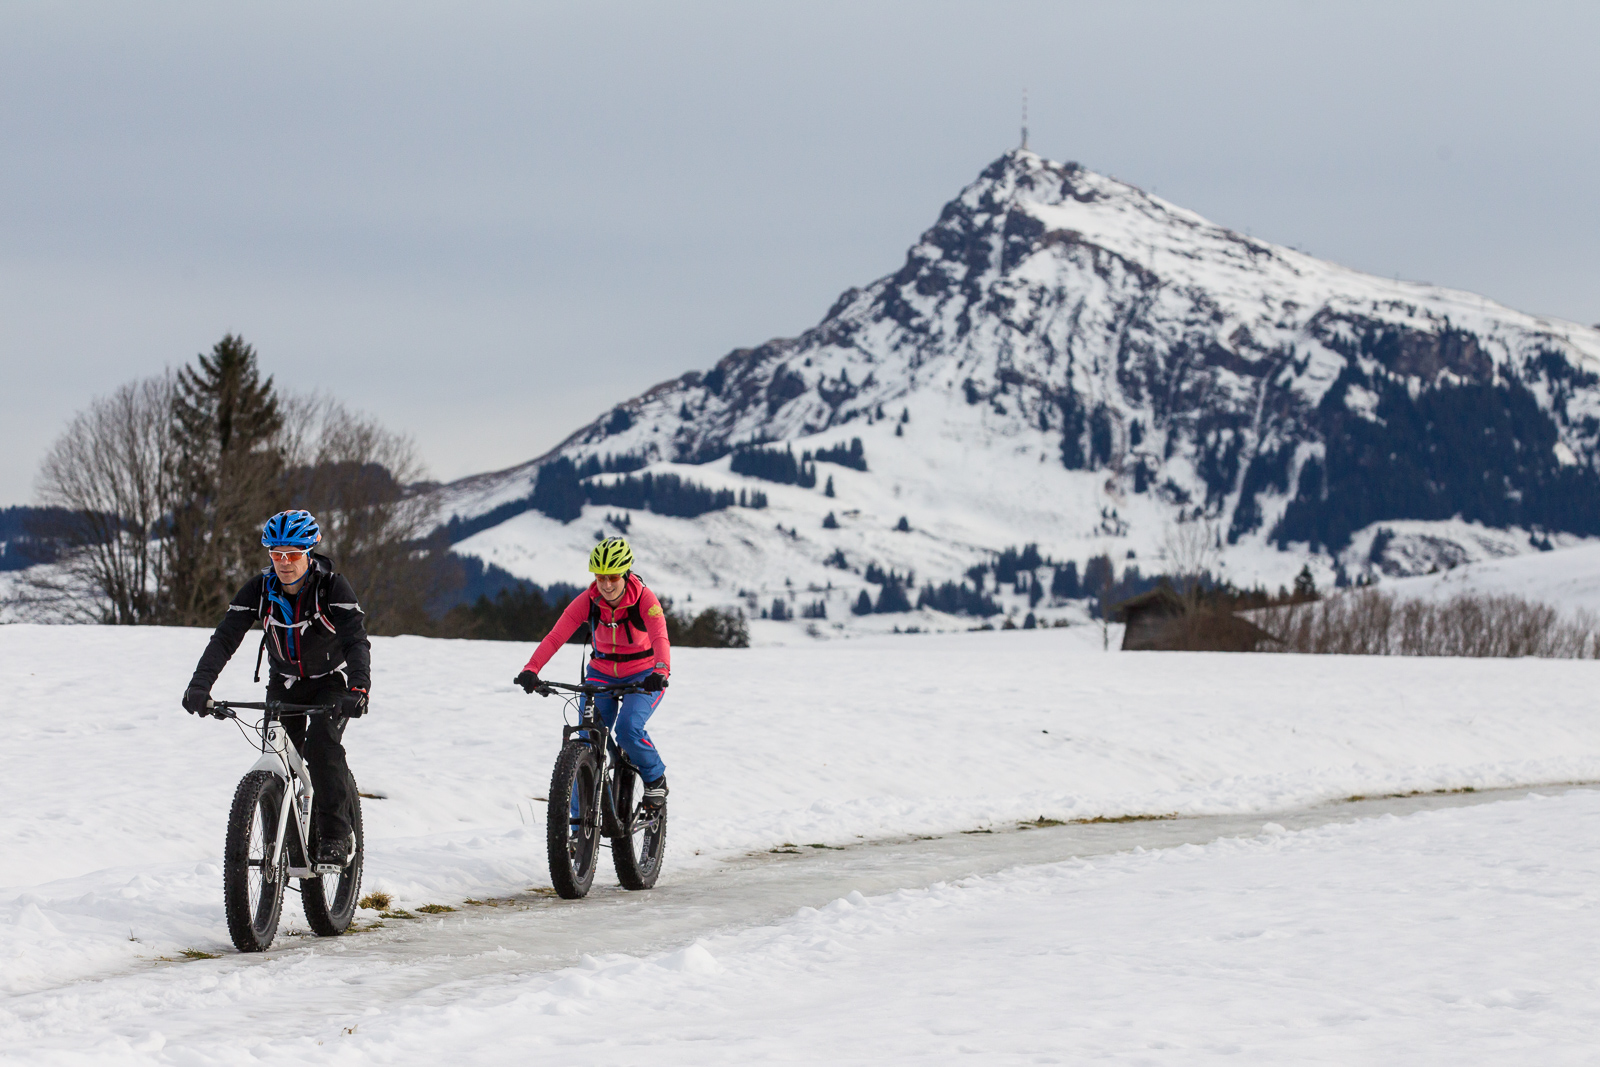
(329, 868)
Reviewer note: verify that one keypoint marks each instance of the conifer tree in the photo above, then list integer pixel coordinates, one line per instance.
(1305, 586)
(225, 419)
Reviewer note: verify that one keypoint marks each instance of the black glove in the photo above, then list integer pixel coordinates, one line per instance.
(529, 681)
(353, 704)
(654, 684)
(195, 699)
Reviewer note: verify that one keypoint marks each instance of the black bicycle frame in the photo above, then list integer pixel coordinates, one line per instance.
(590, 730)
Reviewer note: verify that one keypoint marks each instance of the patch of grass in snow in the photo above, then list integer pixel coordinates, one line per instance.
(831, 848)
(398, 913)
(196, 954)
(1126, 818)
(788, 848)
(376, 901)
(542, 890)
(435, 909)
(1355, 798)
(983, 831)
(1040, 823)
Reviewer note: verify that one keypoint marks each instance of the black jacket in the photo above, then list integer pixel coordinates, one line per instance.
(313, 632)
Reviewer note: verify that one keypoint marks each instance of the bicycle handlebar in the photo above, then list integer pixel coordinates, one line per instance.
(224, 709)
(593, 690)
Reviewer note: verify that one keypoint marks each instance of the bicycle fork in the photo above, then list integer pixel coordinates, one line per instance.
(603, 815)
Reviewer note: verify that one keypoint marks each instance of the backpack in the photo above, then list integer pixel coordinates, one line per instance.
(632, 619)
(320, 590)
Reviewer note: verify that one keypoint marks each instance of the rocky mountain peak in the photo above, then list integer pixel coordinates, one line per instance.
(1060, 312)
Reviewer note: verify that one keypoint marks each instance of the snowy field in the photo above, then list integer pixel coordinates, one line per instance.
(113, 806)
(1459, 936)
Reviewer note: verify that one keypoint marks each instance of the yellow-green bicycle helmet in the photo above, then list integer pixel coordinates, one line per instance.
(611, 556)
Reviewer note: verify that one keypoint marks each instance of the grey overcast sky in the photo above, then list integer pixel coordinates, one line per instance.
(486, 223)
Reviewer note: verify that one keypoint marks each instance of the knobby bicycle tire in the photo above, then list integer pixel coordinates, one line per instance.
(329, 912)
(572, 829)
(252, 830)
(637, 851)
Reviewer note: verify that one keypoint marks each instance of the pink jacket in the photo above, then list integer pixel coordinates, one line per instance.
(616, 635)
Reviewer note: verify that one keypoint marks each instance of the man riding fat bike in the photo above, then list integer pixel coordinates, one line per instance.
(317, 651)
(628, 631)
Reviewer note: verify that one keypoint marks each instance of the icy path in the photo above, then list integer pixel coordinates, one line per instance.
(316, 989)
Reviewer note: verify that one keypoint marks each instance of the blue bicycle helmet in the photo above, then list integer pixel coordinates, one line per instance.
(296, 529)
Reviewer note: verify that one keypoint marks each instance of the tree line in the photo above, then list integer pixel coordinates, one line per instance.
(153, 498)
(152, 502)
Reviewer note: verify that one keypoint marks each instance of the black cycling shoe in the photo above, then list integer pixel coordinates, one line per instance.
(338, 851)
(655, 793)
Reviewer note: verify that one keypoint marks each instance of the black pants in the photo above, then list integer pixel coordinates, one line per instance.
(319, 741)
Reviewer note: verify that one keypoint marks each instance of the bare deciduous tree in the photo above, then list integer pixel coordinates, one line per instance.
(1192, 555)
(354, 475)
(1368, 622)
(112, 469)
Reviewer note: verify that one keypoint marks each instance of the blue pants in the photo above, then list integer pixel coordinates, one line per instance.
(635, 712)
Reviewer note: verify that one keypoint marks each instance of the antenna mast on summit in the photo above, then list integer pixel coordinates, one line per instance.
(1024, 118)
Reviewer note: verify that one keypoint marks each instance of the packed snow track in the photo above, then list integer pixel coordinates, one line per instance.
(428, 960)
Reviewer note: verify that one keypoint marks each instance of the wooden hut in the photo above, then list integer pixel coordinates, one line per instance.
(1161, 621)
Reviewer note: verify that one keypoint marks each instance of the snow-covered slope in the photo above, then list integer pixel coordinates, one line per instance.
(1068, 360)
(1568, 579)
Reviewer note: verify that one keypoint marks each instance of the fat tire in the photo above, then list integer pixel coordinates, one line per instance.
(572, 832)
(637, 855)
(256, 803)
(329, 913)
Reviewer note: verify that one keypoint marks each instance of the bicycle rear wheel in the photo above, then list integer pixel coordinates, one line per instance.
(572, 828)
(638, 850)
(252, 893)
(330, 900)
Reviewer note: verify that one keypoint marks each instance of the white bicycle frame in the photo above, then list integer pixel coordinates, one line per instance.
(281, 758)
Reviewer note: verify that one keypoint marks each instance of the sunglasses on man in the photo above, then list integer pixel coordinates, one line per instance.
(286, 555)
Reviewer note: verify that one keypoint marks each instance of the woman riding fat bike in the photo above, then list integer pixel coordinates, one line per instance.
(628, 631)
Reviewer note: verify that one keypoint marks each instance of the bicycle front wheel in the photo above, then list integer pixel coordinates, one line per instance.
(572, 823)
(330, 900)
(252, 880)
(637, 851)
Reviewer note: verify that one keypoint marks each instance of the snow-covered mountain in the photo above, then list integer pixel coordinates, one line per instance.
(1067, 360)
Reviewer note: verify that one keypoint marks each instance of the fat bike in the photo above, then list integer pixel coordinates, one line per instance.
(271, 840)
(595, 793)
